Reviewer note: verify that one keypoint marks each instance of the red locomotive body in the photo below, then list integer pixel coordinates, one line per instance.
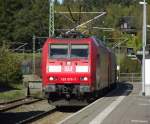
(77, 70)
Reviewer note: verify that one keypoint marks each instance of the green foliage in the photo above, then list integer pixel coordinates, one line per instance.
(129, 66)
(17, 92)
(9, 68)
(21, 19)
(133, 42)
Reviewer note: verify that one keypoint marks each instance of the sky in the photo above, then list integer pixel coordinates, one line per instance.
(60, 1)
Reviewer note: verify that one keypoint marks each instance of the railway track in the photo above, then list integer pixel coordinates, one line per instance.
(12, 101)
(36, 112)
(33, 111)
(57, 115)
(15, 103)
(37, 117)
(25, 111)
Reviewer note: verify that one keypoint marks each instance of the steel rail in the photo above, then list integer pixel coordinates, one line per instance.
(37, 117)
(18, 103)
(12, 101)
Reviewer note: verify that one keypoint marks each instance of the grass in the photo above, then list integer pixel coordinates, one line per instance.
(14, 90)
(17, 91)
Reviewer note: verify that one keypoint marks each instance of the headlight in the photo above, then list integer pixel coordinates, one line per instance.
(83, 78)
(52, 78)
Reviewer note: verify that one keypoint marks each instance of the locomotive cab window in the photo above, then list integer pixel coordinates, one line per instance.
(58, 51)
(79, 50)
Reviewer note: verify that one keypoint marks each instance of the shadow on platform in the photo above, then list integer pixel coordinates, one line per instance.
(16, 117)
(122, 89)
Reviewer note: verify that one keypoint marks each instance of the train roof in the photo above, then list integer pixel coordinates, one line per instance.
(79, 36)
(72, 35)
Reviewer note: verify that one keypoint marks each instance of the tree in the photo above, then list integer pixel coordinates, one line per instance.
(10, 71)
(21, 19)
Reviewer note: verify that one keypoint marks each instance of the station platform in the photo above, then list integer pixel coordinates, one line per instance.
(123, 105)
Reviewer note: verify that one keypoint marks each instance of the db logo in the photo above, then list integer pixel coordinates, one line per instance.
(68, 68)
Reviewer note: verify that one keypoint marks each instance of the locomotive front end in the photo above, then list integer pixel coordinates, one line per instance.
(67, 71)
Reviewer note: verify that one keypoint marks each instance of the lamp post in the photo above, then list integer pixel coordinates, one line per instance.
(144, 45)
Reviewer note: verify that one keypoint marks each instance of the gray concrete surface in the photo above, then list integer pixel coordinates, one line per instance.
(123, 105)
(147, 90)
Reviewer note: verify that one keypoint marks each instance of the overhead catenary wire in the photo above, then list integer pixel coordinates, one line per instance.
(96, 17)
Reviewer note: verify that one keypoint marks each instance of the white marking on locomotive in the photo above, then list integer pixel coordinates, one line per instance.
(54, 68)
(68, 68)
(68, 79)
(68, 63)
(82, 68)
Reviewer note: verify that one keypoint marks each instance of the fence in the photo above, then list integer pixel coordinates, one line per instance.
(132, 77)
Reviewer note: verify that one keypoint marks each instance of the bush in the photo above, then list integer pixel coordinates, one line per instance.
(130, 66)
(10, 70)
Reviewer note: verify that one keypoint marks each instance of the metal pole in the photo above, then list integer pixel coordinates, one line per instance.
(33, 54)
(119, 64)
(144, 45)
(51, 18)
(132, 78)
(104, 39)
(23, 53)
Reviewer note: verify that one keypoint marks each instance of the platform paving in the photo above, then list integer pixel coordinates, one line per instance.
(124, 105)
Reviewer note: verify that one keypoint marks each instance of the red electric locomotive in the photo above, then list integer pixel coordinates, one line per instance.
(76, 70)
